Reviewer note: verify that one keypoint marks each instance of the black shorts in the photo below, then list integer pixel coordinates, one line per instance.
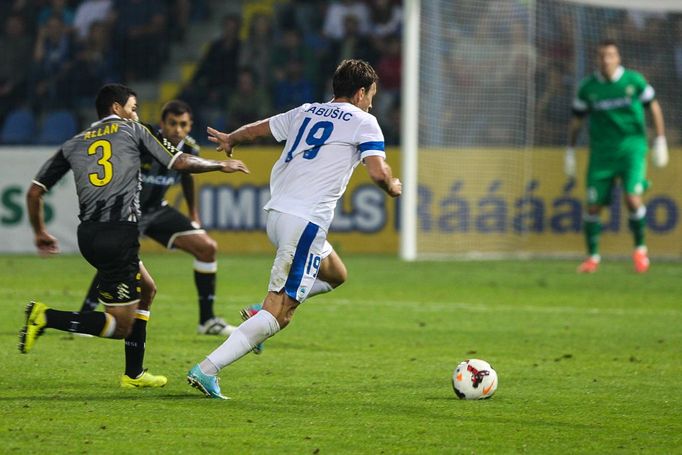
(165, 225)
(113, 248)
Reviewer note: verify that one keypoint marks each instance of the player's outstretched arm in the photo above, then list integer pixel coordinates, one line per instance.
(196, 165)
(569, 157)
(659, 154)
(380, 172)
(45, 243)
(247, 133)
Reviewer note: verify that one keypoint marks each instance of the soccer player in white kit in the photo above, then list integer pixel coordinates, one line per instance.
(324, 144)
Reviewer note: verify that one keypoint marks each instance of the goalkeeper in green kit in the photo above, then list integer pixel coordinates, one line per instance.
(615, 98)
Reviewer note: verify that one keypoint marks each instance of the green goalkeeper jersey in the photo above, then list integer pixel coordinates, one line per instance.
(616, 112)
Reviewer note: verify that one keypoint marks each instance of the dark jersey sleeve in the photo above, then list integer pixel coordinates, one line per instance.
(190, 146)
(52, 171)
(162, 150)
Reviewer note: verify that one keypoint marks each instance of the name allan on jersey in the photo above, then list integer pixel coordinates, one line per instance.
(101, 131)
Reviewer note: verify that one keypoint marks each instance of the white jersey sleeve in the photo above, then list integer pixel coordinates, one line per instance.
(281, 123)
(370, 138)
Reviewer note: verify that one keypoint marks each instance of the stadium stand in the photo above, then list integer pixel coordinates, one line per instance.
(199, 50)
(19, 127)
(57, 127)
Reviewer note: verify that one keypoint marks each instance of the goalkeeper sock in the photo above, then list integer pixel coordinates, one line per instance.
(93, 323)
(592, 227)
(136, 344)
(91, 301)
(205, 281)
(637, 224)
(254, 330)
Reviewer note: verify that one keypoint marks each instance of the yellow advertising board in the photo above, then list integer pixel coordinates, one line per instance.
(231, 208)
(470, 200)
(520, 202)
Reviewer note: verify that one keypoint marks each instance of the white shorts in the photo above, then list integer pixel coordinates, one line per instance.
(301, 247)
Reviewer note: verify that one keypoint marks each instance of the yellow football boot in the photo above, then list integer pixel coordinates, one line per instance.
(34, 326)
(146, 379)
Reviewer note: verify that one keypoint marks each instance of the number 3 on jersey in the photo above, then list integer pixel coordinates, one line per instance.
(107, 171)
(318, 133)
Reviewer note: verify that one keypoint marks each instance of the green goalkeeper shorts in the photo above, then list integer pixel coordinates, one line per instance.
(603, 173)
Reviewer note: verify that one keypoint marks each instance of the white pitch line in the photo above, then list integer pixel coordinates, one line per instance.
(482, 307)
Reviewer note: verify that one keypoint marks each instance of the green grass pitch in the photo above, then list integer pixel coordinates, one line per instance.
(587, 364)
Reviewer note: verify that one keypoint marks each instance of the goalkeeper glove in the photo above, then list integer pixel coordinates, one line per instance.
(569, 162)
(659, 155)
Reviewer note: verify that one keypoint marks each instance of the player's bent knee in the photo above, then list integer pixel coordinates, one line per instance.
(125, 317)
(207, 249)
(340, 278)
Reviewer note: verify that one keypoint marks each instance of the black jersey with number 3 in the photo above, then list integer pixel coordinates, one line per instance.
(106, 160)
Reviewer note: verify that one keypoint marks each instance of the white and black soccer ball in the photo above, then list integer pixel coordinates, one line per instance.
(474, 379)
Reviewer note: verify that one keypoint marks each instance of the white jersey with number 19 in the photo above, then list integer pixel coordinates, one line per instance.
(324, 144)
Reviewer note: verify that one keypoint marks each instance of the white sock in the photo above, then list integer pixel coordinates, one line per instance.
(254, 330)
(639, 213)
(207, 367)
(319, 287)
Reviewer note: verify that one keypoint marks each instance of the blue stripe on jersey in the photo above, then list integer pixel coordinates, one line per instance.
(300, 257)
(377, 145)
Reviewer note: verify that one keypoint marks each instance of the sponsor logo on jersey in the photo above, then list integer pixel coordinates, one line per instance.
(162, 180)
(614, 103)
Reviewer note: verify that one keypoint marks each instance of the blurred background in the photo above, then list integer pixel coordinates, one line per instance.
(496, 82)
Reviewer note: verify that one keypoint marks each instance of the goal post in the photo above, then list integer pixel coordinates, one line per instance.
(486, 99)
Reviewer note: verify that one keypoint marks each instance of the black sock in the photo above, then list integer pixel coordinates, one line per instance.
(135, 345)
(91, 301)
(205, 283)
(70, 321)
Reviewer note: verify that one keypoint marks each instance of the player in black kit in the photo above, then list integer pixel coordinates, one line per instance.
(168, 226)
(106, 161)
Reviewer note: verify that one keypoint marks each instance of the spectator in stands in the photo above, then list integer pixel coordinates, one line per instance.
(51, 60)
(386, 19)
(179, 17)
(24, 8)
(15, 49)
(290, 47)
(248, 103)
(92, 66)
(677, 49)
(89, 12)
(216, 76)
(335, 22)
(57, 8)
(141, 37)
(388, 68)
(256, 51)
(353, 44)
(294, 89)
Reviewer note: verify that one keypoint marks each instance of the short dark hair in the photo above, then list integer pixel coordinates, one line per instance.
(352, 75)
(175, 107)
(110, 94)
(608, 42)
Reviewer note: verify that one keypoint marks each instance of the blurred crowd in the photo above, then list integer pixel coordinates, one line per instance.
(271, 59)
(57, 53)
(485, 63)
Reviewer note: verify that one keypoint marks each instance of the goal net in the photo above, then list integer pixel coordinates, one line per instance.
(490, 106)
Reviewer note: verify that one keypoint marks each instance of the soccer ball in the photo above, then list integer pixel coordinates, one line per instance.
(474, 379)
